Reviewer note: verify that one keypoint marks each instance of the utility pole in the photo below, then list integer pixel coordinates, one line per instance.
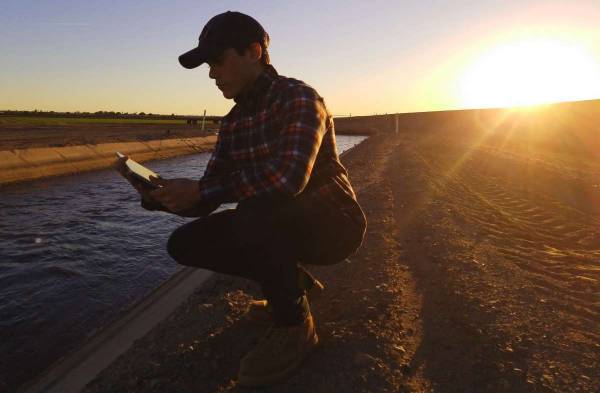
(203, 120)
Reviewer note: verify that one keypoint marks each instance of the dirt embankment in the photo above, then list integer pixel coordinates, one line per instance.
(478, 274)
(28, 136)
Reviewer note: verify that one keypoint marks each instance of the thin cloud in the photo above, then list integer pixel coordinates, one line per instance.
(68, 23)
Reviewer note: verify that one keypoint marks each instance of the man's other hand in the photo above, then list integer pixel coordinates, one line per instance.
(177, 195)
(121, 167)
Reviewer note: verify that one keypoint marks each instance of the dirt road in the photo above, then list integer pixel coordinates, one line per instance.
(505, 254)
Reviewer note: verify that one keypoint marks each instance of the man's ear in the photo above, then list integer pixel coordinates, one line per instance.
(255, 51)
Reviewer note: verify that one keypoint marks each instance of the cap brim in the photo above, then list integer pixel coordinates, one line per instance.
(194, 58)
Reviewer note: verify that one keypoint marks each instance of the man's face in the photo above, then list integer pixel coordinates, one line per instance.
(232, 72)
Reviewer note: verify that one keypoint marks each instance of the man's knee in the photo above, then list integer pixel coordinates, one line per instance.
(184, 248)
(198, 242)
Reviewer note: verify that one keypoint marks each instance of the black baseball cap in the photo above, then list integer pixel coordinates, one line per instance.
(227, 30)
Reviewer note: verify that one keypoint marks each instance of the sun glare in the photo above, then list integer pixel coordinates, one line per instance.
(529, 72)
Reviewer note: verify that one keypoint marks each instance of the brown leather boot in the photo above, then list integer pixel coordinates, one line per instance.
(278, 353)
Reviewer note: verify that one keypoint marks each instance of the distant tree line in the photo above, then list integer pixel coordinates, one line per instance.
(105, 115)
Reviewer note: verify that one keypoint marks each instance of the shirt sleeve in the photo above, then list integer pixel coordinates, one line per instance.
(302, 129)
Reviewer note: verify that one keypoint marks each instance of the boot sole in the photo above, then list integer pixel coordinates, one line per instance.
(272, 379)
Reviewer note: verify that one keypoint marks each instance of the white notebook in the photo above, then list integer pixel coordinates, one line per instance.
(139, 170)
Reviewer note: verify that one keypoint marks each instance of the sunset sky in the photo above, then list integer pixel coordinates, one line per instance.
(362, 57)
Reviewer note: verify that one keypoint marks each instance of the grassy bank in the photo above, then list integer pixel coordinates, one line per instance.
(25, 121)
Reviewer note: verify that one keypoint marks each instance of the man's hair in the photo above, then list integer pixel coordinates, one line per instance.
(264, 59)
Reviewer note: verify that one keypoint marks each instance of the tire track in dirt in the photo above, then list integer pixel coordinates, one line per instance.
(541, 234)
(518, 271)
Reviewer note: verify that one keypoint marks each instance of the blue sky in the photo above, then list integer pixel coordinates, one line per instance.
(363, 57)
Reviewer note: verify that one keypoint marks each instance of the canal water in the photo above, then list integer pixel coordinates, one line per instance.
(75, 251)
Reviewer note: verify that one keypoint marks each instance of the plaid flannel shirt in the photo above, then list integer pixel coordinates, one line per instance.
(277, 136)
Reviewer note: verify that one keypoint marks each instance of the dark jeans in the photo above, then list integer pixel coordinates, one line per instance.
(266, 240)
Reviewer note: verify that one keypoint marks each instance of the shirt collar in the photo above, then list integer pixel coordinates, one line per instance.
(259, 88)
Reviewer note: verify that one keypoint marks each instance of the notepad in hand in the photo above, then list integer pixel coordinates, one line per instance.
(139, 171)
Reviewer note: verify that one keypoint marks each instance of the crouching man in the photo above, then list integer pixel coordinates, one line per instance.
(276, 156)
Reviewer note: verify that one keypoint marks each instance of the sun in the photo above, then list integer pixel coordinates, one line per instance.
(528, 72)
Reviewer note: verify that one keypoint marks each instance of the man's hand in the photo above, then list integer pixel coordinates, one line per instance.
(177, 195)
(121, 167)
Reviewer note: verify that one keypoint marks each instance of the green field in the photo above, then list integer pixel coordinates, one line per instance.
(68, 121)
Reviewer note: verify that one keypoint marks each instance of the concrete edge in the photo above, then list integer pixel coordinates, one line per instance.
(71, 373)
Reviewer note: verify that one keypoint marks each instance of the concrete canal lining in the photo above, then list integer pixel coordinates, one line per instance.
(29, 164)
(71, 373)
